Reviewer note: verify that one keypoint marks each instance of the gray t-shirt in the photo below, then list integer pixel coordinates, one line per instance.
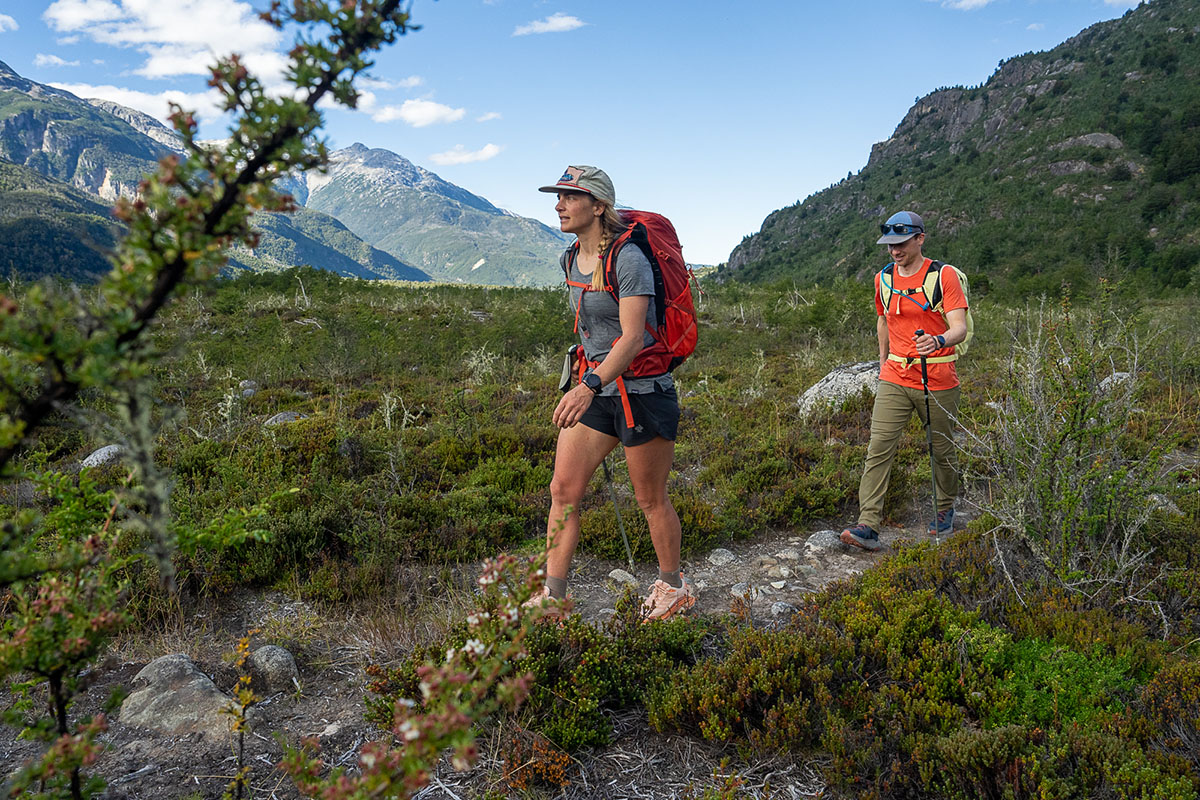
(600, 318)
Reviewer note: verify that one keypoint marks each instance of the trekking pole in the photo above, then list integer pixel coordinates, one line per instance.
(929, 438)
(612, 492)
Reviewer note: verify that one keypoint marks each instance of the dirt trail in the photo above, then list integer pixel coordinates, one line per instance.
(773, 569)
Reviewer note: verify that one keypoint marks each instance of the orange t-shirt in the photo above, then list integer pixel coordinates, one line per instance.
(905, 317)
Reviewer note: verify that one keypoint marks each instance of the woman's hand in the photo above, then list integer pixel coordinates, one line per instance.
(572, 406)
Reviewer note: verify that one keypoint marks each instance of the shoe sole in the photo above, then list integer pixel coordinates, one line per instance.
(862, 544)
(679, 606)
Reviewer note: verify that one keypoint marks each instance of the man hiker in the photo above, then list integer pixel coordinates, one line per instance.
(911, 332)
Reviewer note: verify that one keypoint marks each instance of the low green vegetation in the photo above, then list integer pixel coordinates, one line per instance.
(1028, 657)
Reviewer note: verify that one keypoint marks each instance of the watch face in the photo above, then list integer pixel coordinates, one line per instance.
(592, 381)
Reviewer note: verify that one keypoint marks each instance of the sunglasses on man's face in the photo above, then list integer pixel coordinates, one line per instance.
(900, 229)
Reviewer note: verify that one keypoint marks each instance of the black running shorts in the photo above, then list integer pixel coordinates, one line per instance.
(654, 414)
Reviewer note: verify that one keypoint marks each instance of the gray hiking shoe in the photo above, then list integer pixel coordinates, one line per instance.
(862, 536)
(943, 524)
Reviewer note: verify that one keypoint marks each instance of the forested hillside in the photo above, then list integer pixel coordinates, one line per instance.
(48, 228)
(1065, 165)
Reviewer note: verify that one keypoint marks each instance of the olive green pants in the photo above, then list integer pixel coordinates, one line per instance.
(894, 406)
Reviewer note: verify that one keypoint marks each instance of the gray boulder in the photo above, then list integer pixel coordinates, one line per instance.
(273, 669)
(172, 696)
(284, 416)
(841, 384)
(109, 454)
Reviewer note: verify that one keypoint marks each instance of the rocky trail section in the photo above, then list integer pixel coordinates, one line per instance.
(168, 741)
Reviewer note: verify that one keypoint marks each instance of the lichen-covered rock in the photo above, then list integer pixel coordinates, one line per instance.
(840, 385)
(172, 696)
(109, 454)
(273, 669)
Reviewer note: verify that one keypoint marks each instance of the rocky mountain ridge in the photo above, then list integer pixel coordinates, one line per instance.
(371, 213)
(1064, 165)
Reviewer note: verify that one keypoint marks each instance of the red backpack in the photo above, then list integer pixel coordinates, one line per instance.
(675, 331)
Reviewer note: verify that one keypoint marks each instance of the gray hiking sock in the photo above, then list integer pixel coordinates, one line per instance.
(557, 587)
(672, 579)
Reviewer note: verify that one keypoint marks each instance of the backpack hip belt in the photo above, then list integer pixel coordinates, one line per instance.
(908, 362)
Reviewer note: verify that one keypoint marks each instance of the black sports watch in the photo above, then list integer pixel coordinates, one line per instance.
(593, 382)
(941, 340)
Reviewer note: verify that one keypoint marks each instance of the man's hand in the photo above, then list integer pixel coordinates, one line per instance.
(572, 406)
(926, 344)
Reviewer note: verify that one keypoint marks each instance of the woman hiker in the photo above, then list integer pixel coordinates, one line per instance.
(609, 405)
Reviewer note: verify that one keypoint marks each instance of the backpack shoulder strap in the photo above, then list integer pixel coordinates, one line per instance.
(610, 258)
(933, 285)
(567, 259)
(885, 285)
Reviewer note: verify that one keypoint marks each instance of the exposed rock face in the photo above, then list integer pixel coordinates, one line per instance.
(1104, 141)
(840, 385)
(172, 696)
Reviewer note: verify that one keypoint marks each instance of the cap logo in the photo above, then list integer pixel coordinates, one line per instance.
(571, 175)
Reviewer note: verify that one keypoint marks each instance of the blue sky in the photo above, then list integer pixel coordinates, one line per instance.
(713, 113)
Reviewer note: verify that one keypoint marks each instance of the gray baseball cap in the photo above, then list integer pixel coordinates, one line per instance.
(592, 180)
(900, 227)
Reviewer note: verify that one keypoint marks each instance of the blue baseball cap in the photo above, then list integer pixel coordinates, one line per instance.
(900, 227)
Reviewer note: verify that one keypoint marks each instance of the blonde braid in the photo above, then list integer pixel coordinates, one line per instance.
(611, 227)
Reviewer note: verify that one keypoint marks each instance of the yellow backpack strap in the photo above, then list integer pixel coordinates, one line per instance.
(885, 287)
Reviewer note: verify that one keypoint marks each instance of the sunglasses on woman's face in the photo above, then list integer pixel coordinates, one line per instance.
(900, 229)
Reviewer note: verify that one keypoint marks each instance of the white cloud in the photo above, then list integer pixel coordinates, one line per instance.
(44, 60)
(489, 116)
(1035, 26)
(182, 37)
(7, 23)
(555, 23)
(460, 155)
(205, 104)
(66, 41)
(965, 5)
(419, 113)
(411, 82)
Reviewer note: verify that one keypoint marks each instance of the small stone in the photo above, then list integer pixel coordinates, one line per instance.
(284, 416)
(778, 584)
(623, 578)
(109, 454)
(605, 614)
(766, 561)
(784, 572)
(743, 590)
(781, 609)
(249, 388)
(822, 543)
(1114, 380)
(274, 669)
(790, 554)
(774, 572)
(721, 557)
